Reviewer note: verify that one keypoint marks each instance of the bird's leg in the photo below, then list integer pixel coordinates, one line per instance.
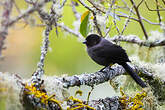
(102, 69)
(109, 67)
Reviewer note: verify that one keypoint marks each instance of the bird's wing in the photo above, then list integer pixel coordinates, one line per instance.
(112, 52)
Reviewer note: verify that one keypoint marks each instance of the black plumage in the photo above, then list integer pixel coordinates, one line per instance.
(105, 53)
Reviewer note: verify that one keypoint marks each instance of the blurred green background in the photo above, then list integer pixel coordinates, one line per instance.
(66, 55)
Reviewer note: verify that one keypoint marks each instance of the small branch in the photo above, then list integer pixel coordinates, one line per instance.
(128, 20)
(135, 40)
(139, 19)
(96, 24)
(142, 18)
(126, 5)
(28, 12)
(158, 13)
(63, 3)
(30, 2)
(114, 21)
(104, 11)
(36, 77)
(140, 3)
(50, 20)
(149, 21)
(96, 6)
(153, 9)
(8, 4)
(86, 6)
(94, 20)
(130, 39)
(76, 14)
(70, 30)
(18, 10)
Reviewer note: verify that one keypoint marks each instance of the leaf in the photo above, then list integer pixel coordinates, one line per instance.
(84, 15)
(75, 1)
(84, 26)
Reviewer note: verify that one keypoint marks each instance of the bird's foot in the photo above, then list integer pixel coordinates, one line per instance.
(110, 68)
(106, 69)
(102, 70)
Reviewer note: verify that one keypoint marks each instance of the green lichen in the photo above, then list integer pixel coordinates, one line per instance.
(158, 88)
(132, 103)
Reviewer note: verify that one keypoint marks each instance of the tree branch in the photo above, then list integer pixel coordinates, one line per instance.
(139, 19)
(7, 8)
(35, 7)
(158, 13)
(135, 40)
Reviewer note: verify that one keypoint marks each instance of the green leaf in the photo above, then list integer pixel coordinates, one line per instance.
(84, 26)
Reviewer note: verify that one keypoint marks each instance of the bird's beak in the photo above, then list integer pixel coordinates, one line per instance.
(84, 42)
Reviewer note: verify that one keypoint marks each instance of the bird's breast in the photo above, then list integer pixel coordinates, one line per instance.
(97, 58)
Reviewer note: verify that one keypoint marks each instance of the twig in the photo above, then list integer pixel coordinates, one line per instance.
(130, 39)
(69, 30)
(63, 4)
(158, 13)
(128, 20)
(103, 11)
(139, 19)
(96, 24)
(36, 77)
(94, 20)
(125, 3)
(18, 10)
(76, 14)
(109, 29)
(140, 3)
(7, 8)
(95, 5)
(50, 20)
(135, 40)
(86, 6)
(114, 21)
(28, 12)
(153, 9)
(149, 21)
(30, 2)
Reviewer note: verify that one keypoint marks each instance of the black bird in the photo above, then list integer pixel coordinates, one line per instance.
(105, 53)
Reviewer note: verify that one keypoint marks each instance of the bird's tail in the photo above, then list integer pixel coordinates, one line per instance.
(134, 75)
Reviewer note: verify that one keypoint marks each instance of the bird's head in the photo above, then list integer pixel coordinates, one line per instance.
(91, 40)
